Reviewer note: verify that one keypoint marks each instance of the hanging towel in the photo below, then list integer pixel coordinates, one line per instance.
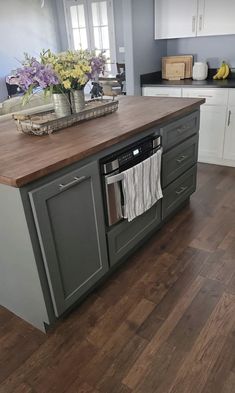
(142, 186)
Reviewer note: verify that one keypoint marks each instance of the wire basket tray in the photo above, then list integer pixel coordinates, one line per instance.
(44, 123)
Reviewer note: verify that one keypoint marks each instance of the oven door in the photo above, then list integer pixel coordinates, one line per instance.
(114, 197)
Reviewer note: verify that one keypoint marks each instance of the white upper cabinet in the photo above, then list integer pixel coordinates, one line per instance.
(216, 17)
(191, 18)
(175, 18)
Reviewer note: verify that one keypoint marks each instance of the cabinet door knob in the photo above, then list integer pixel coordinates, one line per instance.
(76, 180)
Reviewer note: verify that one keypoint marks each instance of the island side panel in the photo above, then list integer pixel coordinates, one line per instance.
(20, 288)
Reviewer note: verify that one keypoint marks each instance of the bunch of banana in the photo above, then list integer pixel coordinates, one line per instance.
(222, 72)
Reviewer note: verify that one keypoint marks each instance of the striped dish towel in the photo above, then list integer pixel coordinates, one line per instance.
(141, 186)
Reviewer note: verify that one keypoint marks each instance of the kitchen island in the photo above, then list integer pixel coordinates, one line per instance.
(54, 240)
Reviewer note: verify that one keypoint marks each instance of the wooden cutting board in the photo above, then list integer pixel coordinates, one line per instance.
(175, 71)
(187, 59)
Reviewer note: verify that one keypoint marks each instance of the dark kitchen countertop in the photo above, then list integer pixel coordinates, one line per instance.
(154, 79)
(25, 158)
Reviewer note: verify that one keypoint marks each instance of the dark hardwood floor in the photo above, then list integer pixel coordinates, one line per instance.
(163, 323)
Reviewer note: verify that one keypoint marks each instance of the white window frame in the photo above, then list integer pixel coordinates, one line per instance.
(90, 36)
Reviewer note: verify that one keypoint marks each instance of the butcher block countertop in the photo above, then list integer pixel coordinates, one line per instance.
(25, 158)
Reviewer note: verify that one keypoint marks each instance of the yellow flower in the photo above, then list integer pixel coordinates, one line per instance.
(67, 84)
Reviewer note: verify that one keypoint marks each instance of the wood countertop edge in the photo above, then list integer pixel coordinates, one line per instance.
(33, 176)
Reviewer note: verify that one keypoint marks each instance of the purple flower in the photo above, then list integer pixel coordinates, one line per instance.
(97, 66)
(35, 74)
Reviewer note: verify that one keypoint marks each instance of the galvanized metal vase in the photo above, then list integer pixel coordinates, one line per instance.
(62, 104)
(77, 100)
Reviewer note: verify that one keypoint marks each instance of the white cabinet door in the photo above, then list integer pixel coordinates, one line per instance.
(152, 91)
(175, 19)
(229, 143)
(216, 17)
(211, 135)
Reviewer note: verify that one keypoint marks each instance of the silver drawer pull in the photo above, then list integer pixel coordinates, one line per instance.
(182, 129)
(205, 96)
(229, 117)
(76, 180)
(181, 191)
(181, 159)
(115, 178)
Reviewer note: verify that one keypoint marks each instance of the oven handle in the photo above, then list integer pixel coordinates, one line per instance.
(114, 179)
(119, 177)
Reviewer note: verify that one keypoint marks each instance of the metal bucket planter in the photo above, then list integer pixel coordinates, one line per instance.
(62, 104)
(77, 100)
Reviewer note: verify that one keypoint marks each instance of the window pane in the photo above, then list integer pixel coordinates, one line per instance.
(81, 15)
(83, 37)
(97, 38)
(74, 16)
(103, 13)
(95, 14)
(107, 55)
(76, 39)
(105, 37)
(80, 39)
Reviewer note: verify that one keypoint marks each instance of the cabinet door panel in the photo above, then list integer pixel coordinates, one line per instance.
(211, 134)
(229, 144)
(69, 220)
(216, 17)
(175, 19)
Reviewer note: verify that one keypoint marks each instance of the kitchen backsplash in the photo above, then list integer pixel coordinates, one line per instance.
(210, 49)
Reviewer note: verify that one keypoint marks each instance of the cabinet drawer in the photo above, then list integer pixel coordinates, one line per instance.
(212, 96)
(231, 97)
(180, 130)
(178, 191)
(126, 235)
(179, 160)
(161, 91)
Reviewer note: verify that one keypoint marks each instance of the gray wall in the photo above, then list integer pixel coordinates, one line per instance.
(211, 49)
(25, 27)
(143, 53)
(119, 33)
(62, 25)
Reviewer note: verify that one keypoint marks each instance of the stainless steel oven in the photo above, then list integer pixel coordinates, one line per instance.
(112, 167)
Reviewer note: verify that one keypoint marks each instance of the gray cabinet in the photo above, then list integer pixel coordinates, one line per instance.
(69, 220)
(179, 162)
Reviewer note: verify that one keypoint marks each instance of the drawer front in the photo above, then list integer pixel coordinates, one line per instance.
(180, 130)
(212, 96)
(126, 235)
(161, 91)
(178, 191)
(179, 160)
(231, 97)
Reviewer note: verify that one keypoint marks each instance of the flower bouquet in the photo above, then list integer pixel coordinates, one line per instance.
(63, 75)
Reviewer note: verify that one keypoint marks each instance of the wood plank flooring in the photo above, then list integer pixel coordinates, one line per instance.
(163, 323)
